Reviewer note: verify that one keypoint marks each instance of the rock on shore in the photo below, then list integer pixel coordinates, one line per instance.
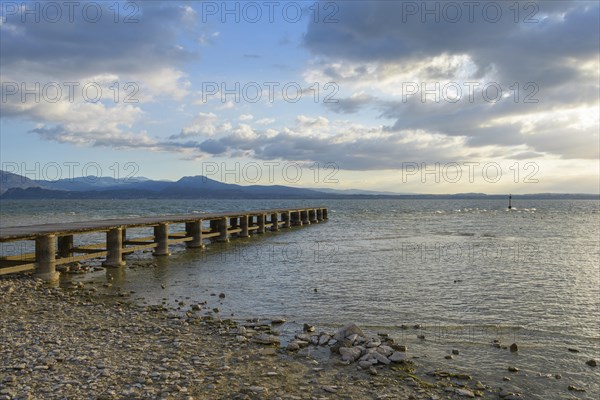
(76, 343)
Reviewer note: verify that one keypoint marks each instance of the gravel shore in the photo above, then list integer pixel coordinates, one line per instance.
(75, 343)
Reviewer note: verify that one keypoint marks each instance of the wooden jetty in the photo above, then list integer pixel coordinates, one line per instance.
(54, 243)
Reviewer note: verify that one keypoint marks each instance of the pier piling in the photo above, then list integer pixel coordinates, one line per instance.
(161, 238)
(244, 226)
(65, 246)
(194, 230)
(274, 222)
(223, 235)
(261, 223)
(114, 248)
(45, 256)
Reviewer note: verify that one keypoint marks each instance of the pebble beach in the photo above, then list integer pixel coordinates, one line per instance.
(75, 342)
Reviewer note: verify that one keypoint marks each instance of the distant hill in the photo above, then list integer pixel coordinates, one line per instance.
(13, 186)
(8, 180)
(189, 187)
(361, 191)
(86, 183)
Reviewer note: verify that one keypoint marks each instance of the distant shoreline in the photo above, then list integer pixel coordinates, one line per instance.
(191, 194)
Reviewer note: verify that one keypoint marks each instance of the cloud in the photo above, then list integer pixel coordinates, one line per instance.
(308, 124)
(204, 124)
(309, 139)
(351, 105)
(409, 71)
(246, 117)
(207, 39)
(265, 121)
(167, 81)
(351, 146)
(71, 50)
(228, 105)
(127, 64)
(366, 150)
(212, 146)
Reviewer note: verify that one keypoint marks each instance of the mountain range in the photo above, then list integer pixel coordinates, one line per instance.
(14, 186)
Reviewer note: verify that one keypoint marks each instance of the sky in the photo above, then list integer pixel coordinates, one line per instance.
(399, 96)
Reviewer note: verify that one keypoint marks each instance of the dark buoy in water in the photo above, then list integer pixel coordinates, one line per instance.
(510, 201)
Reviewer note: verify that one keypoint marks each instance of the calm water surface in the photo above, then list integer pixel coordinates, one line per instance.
(468, 271)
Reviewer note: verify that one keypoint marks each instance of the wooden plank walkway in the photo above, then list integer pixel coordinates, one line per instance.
(54, 242)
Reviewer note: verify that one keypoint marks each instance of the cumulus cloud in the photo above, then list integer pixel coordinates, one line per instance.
(204, 124)
(51, 49)
(350, 145)
(265, 121)
(548, 72)
(131, 64)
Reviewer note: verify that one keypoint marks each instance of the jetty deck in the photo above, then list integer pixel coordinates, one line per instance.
(54, 244)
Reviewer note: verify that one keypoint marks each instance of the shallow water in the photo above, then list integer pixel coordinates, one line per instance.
(468, 271)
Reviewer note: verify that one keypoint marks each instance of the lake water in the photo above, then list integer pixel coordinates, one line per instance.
(468, 271)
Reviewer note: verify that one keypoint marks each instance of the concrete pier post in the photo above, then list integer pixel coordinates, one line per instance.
(65, 246)
(244, 226)
(296, 220)
(114, 247)
(261, 223)
(161, 238)
(224, 237)
(45, 258)
(312, 216)
(324, 213)
(286, 219)
(304, 217)
(319, 214)
(274, 222)
(194, 229)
